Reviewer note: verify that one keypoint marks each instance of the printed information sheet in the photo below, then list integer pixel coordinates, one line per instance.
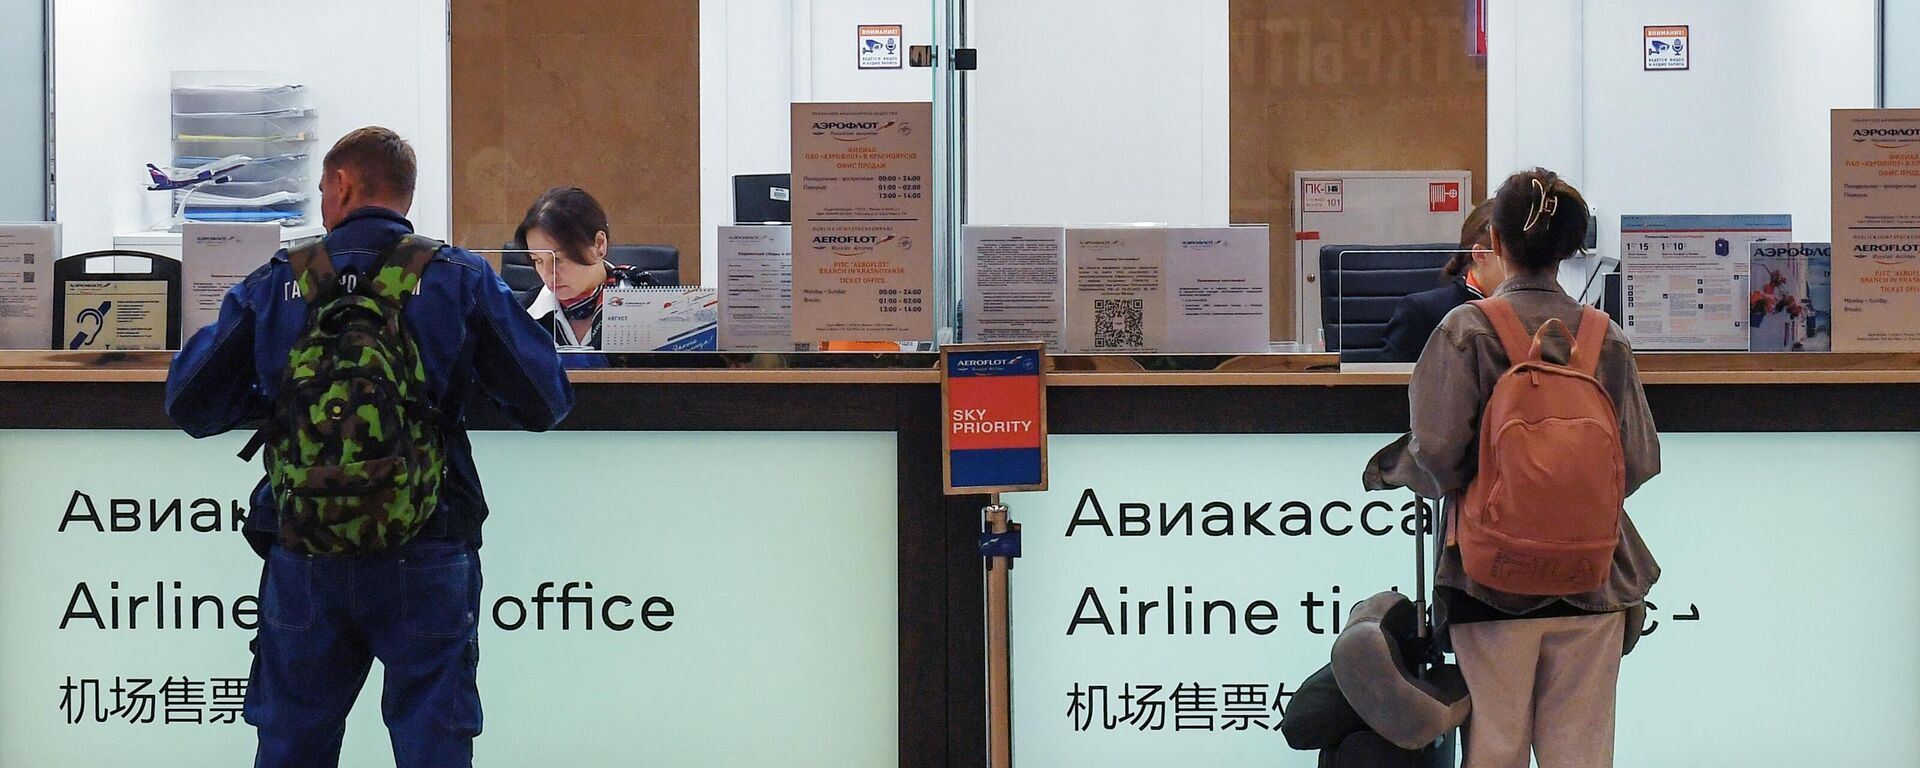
(863, 222)
(1686, 278)
(27, 252)
(1217, 283)
(1116, 290)
(116, 314)
(215, 257)
(1876, 230)
(1014, 291)
(756, 289)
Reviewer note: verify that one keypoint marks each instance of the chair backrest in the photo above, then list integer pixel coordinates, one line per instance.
(517, 269)
(519, 277)
(659, 264)
(1361, 284)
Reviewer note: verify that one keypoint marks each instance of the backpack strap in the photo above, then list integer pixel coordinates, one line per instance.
(313, 272)
(1506, 325)
(396, 276)
(1592, 338)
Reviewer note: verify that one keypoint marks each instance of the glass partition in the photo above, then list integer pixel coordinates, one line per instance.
(23, 86)
(1328, 125)
(1295, 114)
(1379, 304)
(1900, 58)
(1224, 113)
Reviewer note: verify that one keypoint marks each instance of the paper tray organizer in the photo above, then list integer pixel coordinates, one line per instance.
(289, 126)
(270, 123)
(237, 99)
(284, 169)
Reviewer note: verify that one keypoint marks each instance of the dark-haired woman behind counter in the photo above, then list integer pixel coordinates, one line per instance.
(1473, 273)
(566, 231)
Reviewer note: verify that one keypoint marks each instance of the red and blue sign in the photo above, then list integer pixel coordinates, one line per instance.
(995, 418)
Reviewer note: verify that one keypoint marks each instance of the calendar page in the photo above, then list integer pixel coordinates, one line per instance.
(660, 320)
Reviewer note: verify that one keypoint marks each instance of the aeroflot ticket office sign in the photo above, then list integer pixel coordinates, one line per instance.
(995, 414)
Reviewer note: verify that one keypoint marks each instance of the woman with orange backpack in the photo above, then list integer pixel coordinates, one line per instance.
(1528, 416)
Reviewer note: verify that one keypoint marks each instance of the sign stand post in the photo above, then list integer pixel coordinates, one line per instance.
(999, 644)
(993, 403)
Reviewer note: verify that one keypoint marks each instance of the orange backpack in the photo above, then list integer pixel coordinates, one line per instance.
(1542, 517)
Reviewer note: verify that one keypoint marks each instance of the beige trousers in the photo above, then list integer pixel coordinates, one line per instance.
(1544, 684)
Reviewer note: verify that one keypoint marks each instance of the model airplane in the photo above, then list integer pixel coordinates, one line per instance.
(216, 172)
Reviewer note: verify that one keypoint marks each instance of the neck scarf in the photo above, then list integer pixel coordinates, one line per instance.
(584, 307)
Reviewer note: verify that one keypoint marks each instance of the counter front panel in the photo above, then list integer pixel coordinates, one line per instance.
(692, 598)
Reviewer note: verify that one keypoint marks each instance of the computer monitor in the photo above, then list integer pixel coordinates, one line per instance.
(762, 198)
(1612, 297)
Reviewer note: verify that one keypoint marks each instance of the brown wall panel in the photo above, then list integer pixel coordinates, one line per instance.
(1316, 85)
(599, 94)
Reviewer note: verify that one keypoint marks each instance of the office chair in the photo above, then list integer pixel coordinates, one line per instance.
(659, 264)
(1358, 292)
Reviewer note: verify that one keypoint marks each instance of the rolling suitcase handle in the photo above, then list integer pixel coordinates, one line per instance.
(1435, 522)
(1443, 753)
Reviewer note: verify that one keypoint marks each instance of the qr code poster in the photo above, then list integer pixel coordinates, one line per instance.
(1116, 290)
(1119, 324)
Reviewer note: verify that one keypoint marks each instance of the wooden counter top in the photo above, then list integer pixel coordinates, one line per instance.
(1657, 369)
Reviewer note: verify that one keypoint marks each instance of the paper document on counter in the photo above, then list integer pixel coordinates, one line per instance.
(1791, 298)
(1116, 290)
(214, 258)
(1014, 291)
(1218, 290)
(1686, 278)
(27, 253)
(1876, 230)
(756, 289)
(864, 247)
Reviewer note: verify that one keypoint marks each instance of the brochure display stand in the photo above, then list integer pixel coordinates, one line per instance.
(254, 139)
(116, 300)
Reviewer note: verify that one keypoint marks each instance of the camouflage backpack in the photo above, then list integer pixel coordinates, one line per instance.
(354, 450)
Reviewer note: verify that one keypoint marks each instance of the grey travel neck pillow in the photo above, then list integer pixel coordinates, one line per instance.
(1378, 675)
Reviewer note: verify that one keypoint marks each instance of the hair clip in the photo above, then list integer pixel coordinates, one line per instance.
(1542, 213)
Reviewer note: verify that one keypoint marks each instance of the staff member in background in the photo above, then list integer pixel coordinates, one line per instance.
(1474, 274)
(566, 229)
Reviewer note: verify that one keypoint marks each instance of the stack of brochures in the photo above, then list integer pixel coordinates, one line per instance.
(217, 120)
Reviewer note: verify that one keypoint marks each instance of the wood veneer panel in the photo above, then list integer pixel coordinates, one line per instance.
(1380, 85)
(599, 94)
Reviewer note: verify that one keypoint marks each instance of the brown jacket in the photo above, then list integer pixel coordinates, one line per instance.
(1450, 386)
